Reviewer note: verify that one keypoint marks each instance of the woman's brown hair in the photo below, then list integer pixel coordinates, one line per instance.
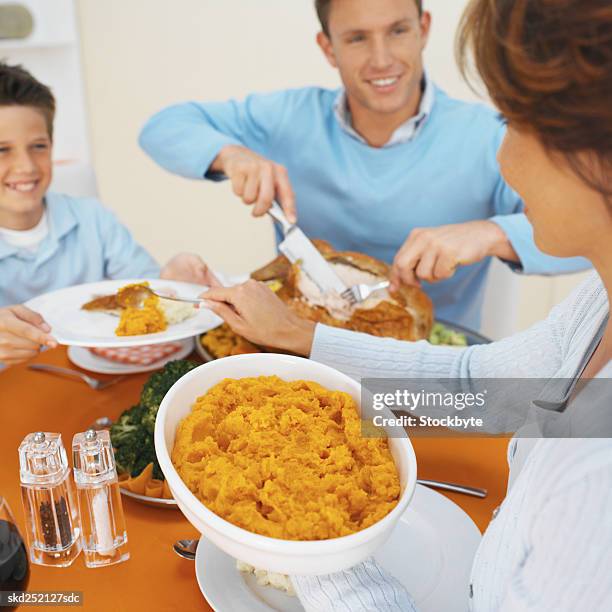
(547, 65)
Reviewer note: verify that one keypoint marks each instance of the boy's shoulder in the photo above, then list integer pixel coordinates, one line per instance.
(67, 211)
(61, 204)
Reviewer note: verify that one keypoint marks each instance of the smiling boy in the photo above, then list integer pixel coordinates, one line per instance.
(388, 165)
(48, 240)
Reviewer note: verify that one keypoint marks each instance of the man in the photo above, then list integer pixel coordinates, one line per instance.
(389, 165)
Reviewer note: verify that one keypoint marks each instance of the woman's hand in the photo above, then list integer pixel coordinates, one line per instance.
(189, 268)
(254, 312)
(22, 333)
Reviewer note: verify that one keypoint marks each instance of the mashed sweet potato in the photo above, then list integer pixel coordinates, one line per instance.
(147, 319)
(285, 459)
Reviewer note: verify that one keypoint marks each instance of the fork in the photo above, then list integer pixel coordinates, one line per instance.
(174, 298)
(358, 293)
(94, 383)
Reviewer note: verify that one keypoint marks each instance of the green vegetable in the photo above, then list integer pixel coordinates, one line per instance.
(440, 334)
(158, 385)
(132, 434)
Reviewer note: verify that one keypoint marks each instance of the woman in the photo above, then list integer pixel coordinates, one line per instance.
(547, 65)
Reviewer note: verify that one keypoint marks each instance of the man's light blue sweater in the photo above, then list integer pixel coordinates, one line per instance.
(362, 198)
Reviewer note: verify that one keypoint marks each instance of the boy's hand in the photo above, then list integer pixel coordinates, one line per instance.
(256, 180)
(22, 333)
(189, 268)
(256, 313)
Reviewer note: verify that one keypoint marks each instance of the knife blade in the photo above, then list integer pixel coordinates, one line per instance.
(298, 248)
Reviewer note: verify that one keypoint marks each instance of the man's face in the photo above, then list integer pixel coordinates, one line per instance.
(25, 161)
(377, 45)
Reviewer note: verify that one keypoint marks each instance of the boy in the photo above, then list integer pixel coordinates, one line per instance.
(48, 240)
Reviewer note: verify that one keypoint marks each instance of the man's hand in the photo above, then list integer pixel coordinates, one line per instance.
(189, 268)
(256, 180)
(22, 333)
(256, 313)
(433, 254)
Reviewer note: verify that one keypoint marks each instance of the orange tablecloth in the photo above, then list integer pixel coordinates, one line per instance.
(155, 578)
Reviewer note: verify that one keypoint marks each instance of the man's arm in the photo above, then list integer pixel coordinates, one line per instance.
(221, 140)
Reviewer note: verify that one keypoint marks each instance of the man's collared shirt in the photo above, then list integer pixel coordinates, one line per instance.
(405, 132)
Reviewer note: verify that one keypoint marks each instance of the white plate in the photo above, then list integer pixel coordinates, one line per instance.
(85, 359)
(430, 551)
(75, 327)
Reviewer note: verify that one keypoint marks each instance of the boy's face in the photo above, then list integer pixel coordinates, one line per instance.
(377, 45)
(25, 163)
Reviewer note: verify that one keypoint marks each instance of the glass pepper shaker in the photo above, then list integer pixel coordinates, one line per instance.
(49, 504)
(104, 537)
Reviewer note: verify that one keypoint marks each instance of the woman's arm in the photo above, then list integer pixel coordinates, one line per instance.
(364, 588)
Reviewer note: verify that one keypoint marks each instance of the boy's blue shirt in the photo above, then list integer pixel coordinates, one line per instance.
(85, 243)
(362, 198)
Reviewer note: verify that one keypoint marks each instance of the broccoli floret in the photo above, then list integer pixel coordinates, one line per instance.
(160, 382)
(129, 441)
(145, 455)
(129, 422)
(157, 386)
(132, 434)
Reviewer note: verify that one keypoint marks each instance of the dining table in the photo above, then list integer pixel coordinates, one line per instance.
(154, 577)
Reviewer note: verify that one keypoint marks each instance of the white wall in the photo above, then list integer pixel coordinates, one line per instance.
(141, 55)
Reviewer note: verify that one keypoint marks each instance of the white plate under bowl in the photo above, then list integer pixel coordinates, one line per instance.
(430, 552)
(85, 359)
(75, 327)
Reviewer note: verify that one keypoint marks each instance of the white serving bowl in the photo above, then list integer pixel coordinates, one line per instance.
(272, 554)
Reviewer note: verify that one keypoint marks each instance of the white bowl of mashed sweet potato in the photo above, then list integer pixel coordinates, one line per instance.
(308, 495)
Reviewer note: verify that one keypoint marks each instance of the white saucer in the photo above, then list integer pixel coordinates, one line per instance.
(430, 551)
(85, 359)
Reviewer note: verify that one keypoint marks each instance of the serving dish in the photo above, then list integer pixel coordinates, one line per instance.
(272, 554)
(471, 336)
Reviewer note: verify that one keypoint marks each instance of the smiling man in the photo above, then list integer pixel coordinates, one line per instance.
(388, 165)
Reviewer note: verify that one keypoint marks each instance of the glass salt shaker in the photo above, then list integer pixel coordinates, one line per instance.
(104, 537)
(49, 504)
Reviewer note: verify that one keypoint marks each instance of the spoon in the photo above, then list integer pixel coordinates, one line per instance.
(137, 295)
(186, 548)
(101, 423)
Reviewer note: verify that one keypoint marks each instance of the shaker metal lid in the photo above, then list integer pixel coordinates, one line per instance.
(92, 457)
(42, 458)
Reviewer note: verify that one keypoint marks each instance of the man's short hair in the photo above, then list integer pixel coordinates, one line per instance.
(19, 88)
(323, 6)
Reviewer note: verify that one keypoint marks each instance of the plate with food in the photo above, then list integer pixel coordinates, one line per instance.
(405, 314)
(434, 530)
(115, 313)
(129, 359)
